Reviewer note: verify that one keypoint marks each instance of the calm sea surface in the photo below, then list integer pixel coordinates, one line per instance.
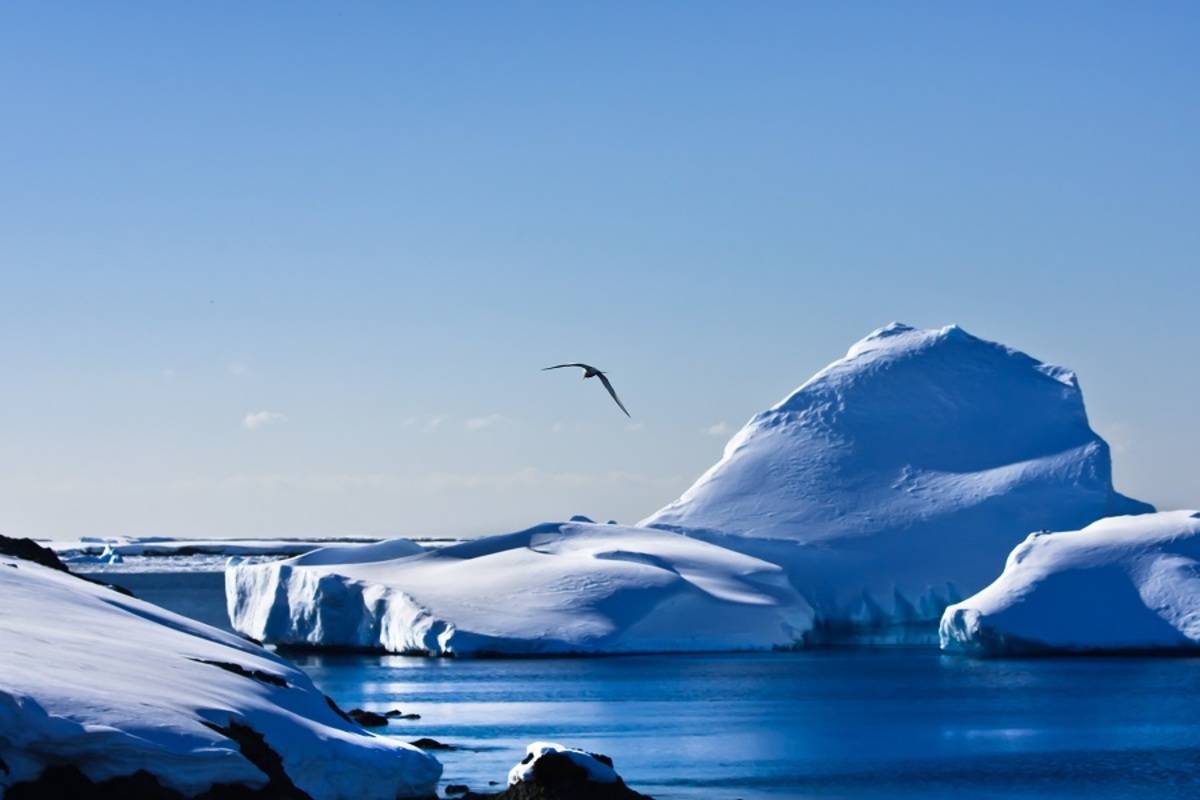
(828, 724)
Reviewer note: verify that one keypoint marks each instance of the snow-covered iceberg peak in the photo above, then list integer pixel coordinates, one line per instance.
(1123, 583)
(911, 429)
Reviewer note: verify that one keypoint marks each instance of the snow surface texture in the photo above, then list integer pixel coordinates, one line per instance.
(888, 486)
(1124, 583)
(597, 771)
(555, 588)
(113, 685)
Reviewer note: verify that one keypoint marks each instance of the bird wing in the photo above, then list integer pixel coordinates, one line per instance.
(607, 385)
(560, 366)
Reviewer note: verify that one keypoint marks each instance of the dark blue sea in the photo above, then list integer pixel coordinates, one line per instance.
(824, 724)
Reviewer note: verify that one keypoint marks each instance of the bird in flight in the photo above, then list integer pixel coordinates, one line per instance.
(591, 372)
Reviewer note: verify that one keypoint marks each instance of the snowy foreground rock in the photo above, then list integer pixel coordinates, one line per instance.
(552, 772)
(1125, 583)
(888, 486)
(99, 688)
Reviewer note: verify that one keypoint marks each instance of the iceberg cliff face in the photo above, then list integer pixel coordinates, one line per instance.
(1125, 583)
(111, 685)
(888, 486)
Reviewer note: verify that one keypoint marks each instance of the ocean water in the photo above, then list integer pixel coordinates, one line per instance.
(822, 724)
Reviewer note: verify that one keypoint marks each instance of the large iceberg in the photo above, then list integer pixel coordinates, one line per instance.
(886, 487)
(1125, 583)
(109, 691)
(896, 479)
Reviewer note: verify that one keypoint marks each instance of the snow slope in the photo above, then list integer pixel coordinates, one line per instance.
(555, 588)
(113, 685)
(1124, 583)
(888, 486)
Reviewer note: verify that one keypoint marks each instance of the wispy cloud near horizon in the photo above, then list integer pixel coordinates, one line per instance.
(482, 423)
(721, 428)
(260, 419)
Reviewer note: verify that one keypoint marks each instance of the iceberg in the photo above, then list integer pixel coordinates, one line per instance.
(1127, 583)
(568, 587)
(895, 479)
(883, 489)
(99, 690)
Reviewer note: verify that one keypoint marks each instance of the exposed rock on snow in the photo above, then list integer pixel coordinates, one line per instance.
(1124, 583)
(30, 550)
(425, 743)
(368, 719)
(888, 486)
(556, 588)
(104, 693)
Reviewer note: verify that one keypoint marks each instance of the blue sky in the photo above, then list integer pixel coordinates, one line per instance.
(371, 224)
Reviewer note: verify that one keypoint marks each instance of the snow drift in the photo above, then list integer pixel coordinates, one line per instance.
(888, 486)
(94, 680)
(1125, 583)
(556, 588)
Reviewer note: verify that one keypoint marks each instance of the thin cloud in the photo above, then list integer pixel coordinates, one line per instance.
(482, 423)
(721, 428)
(425, 424)
(260, 419)
(239, 369)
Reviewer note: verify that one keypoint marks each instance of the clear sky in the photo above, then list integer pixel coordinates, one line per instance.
(292, 268)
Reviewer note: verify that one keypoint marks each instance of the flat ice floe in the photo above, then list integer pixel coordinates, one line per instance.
(100, 548)
(556, 588)
(112, 685)
(886, 487)
(1124, 583)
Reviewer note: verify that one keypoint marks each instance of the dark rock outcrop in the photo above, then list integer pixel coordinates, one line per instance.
(255, 749)
(368, 719)
(557, 777)
(425, 743)
(396, 713)
(69, 783)
(30, 550)
(255, 674)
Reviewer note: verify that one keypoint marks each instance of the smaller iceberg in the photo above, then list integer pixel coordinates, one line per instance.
(570, 587)
(1128, 583)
